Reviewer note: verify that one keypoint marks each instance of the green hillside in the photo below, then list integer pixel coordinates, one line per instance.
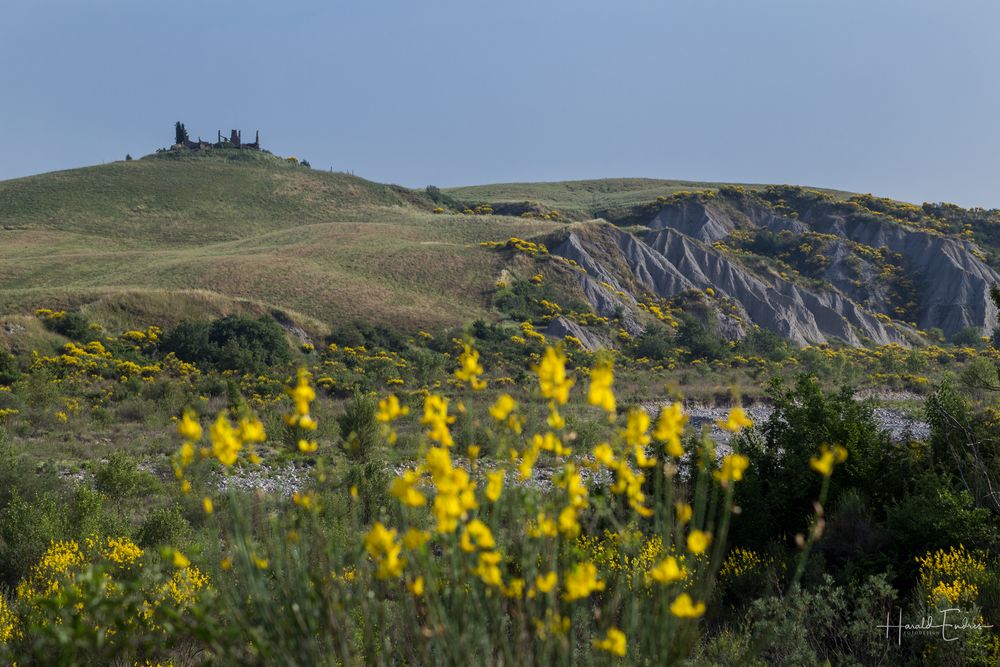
(589, 198)
(187, 234)
(231, 231)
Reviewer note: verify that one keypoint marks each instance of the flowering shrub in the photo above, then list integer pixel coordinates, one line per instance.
(951, 576)
(504, 499)
(102, 596)
(471, 550)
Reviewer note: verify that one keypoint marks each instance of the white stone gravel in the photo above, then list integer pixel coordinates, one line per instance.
(284, 480)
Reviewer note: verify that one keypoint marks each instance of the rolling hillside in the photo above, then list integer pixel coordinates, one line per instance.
(213, 234)
(191, 234)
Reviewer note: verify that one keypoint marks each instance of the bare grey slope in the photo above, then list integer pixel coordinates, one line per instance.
(675, 256)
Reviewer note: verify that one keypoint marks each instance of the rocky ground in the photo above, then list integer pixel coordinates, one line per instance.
(279, 480)
(899, 425)
(288, 479)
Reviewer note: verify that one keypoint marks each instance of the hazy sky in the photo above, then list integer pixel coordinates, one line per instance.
(895, 97)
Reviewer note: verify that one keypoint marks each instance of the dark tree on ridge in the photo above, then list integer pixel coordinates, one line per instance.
(180, 133)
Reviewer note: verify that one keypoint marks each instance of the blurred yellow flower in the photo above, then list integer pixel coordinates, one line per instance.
(188, 427)
(389, 409)
(635, 432)
(581, 582)
(604, 454)
(494, 485)
(180, 560)
(469, 368)
(404, 488)
(552, 380)
(436, 418)
(669, 427)
(568, 524)
(414, 539)
(477, 535)
(252, 430)
(667, 571)
(828, 456)
(684, 607)
(502, 408)
(614, 642)
(698, 541)
(380, 543)
(546, 582)
(226, 443)
(732, 468)
(736, 421)
(602, 376)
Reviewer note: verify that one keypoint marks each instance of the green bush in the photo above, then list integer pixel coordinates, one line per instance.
(764, 343)
(232, 343)
(9, 370)
(248, 345)
(120, 477)
(832, 624)
(189, 341)
(654, 343)
(968, 337)
(443, 199)
(700, 337)
(164, 526)
(372, 336)
(359, 430)
(780, 486)
(72, 325)
(521, 300)
(26, 528)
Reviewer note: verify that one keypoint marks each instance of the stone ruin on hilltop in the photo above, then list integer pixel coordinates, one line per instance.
(235, 140)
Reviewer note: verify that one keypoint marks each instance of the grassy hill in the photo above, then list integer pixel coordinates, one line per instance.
(206, 233)
(590, 198)
(180, 235)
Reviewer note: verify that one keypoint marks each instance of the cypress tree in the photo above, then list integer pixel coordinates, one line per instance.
(180, 133)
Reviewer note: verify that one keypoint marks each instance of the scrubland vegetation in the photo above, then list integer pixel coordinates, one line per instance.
(218, 492)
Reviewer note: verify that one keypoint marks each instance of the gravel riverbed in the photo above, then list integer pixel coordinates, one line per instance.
(290, 478)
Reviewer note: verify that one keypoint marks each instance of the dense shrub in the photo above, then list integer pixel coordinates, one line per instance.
(359, 430)
(248, 345)
(831, 624)
(72, 325)
(120, 477)
(374, 336)
(9, 370)
(164, 526)
(489, 333)
(764, 343)
(654, 343)
(964, 446)
(443, 199)
(28, 526)
(805, 418)
(700, 337)
(189, 341)
(231, 343)
(522, 300)
(969, 336)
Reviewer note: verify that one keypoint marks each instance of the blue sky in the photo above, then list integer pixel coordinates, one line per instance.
(895, 97)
